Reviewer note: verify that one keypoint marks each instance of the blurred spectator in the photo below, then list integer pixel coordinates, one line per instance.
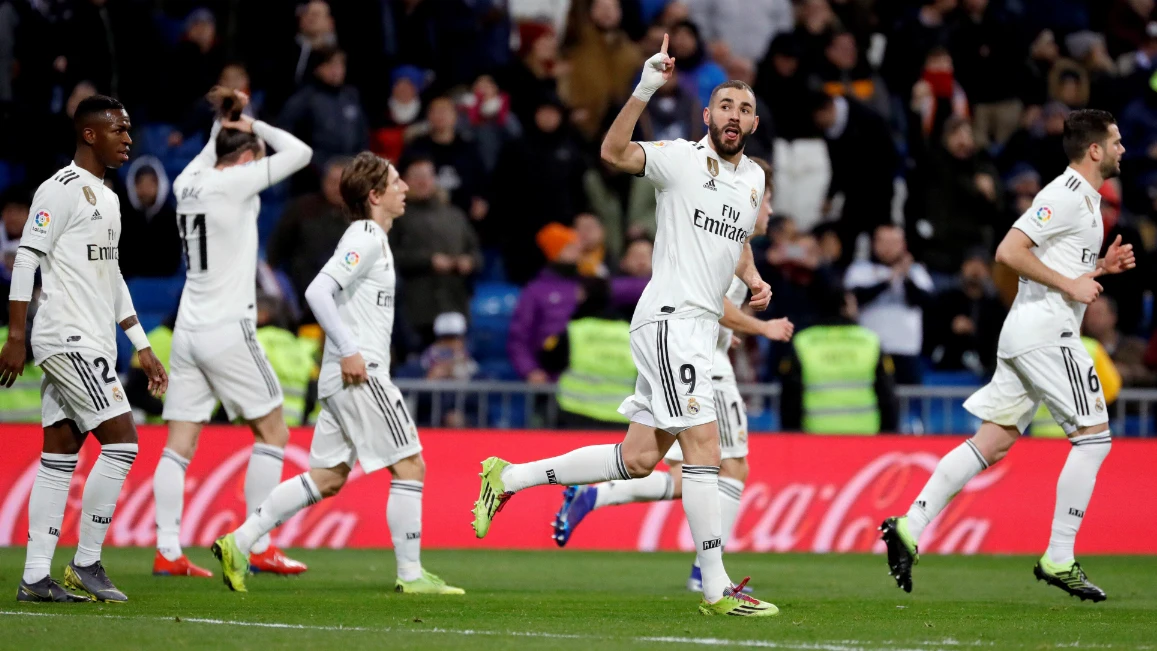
(815, 22)
(14, 205)
(546, 304)
(602, 65)
(1127, 290)
(1138, 125)
(448, 358)
(403, 108)
(1039, 143)
(1043, 55)
(964, 322)
(550, 13)
(194, 67)
(696, 70)
(624, 202)
(1127, 352)
(1137, 64)
(1088, 49)
(534, 75)
(636, 261)
(150, 243)
(199, 118)
(539, 180)
(1069, 84)
(457, 161)
(796, 271)
(491, 121)
(831, 248)
(987, 55)
(326, 113)
(937, 96)
(674, 112)
(112, 45)
(851, 129)
(435, 249)
(1126, 24)
(291, 70)
(911, 41)
(440, 35)
(741, 28)
(592, 239)
(955, 200)
(843, 73)
(892, 291)
(309, 231)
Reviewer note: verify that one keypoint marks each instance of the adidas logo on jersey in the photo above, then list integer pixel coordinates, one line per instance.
(710, 185)
(95, 216)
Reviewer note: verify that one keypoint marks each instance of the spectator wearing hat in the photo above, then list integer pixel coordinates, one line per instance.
(403, 110)
(964, 322)
(448, 358)
(435, 249)
(150, 243)
(547, 303)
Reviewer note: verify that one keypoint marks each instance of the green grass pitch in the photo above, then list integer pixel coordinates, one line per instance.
(589, 600)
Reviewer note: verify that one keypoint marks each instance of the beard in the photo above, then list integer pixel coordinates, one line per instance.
(716, 134)
(1110, 169)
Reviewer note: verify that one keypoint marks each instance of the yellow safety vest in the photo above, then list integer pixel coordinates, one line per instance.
(601, 371)
(838, 370)
(161, 341)
(20, 403)
(292, 360)
(1043, 424)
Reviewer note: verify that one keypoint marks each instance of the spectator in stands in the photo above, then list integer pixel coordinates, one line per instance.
(1043, 54)
(796, 272)
(892, 291)
(1039, 141)
(112, 45)
(1137, 65)
(1139, 133)
(696, 70)
(937, 96)
(592, 239)
(909, 44)
(674, 112)
(843, 73)
(964, 322)
(402, 111)
(547, 303)
(308, 232)
(956, 200)
(1127, 352)
(493, 125)
(601, 66)
(1089, 50)
(327, 113)
(815, 22)
(634, 273)
(534, 75)
(986, 56)
(14, 205)
(194, 67)
(741, 28)
(448, 358)
(150, 243)
(435, 249)
(199, 119)
(1126, 23)
(292, 70)
(455, 154)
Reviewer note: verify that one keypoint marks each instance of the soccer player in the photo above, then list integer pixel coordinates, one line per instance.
(216, 355)
(708, 196)
(72, 237)
(364, 416)
(1053, 246)
(578, 501)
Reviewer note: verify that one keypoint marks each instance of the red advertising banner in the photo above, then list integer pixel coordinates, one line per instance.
(805, 493)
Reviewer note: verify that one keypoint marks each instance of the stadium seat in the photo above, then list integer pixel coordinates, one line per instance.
(490, 312)
(498, 369)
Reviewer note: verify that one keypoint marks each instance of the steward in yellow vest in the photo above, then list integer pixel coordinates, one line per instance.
(1043, 424)
(137, 385)
(292, 359)
(20, 403)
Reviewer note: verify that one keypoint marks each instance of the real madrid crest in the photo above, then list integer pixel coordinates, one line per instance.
(754, 199)
(89, 195)
(692, 403)
(713, 166)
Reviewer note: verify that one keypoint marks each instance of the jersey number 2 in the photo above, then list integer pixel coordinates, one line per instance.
(186, 233)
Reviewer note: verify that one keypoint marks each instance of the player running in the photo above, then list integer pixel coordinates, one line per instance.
(72, 238)
(364, 416)
(708, 195)
(216, 355)
(578, 501)
(1054, 248)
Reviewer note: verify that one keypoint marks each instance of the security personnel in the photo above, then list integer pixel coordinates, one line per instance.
(292, 359)
(1106, 375)
(835, 379)
(21, 402)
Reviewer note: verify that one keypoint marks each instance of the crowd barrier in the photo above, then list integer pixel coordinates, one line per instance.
(805, 494)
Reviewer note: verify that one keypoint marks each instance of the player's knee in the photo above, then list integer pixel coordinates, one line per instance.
(329, 481)
(640, 465)
(119, 429)
(270, 429)
(736, 469)
(410, 469)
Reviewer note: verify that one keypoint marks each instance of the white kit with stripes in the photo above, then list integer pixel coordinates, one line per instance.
(1040, 357)
(368, 422)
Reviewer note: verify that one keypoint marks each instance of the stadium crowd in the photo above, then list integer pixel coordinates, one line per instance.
(906, 136)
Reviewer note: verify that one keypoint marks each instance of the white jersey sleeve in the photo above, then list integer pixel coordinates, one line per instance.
(207, 157)
(664, 160)
(48, 217)
(1049, 217)
(251, 178)
(354, 257)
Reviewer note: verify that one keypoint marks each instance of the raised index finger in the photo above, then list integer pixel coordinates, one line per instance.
(663, 50)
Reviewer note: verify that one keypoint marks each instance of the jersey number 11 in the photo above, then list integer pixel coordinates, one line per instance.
(186, 233)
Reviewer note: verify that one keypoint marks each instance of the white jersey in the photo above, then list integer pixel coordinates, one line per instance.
(363, 266)
(722, 368)
(1065, 224)
(217, 219)
(706, 209)
(75, 222)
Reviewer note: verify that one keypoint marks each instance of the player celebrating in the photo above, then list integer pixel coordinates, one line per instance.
(1053, 247)
(708, 194)
(72, 237)
(364, 417)
(216, 355)
(578, 501)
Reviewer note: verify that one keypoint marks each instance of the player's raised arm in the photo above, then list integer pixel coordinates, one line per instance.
(292, 155)
(1015, 250)
(618, 151)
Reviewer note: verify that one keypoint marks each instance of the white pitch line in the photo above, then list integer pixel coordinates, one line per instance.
(835, 645)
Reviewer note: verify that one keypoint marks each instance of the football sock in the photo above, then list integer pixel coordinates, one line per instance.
(701, 506)
(46, 512)
(654, 487)
(290, 496)
(589, 465)
(1074, 489)
(101, 491)
(262, 476)
(404, 516)
(730, 494)
(169, 495)
(958, 466)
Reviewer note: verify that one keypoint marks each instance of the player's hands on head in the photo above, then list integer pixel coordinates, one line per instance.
(760, 295)
(1084, 289)
(218, 94)
(11, 362)
(155, 370)
(656, 71)
(779, 329)
(244, 124)
(1119, 258)
(353, 370)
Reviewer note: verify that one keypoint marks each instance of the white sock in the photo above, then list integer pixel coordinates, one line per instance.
(589, 465)
(655, 487)
(101, 491)
(701, 505)
(169, 495)
(1074, 489)
(954, 470)
(262, 476)
(730, 494)
(290, 496)
(46, 512)
(404, 515)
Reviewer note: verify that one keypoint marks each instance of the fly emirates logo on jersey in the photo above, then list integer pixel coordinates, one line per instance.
(100, 253)
(724, 226)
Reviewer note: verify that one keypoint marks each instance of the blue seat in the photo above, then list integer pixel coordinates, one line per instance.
(156, 295)
(497, 368)
(490, 312)
(952, 379)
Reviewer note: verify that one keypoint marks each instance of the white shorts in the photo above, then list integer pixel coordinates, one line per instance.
(732, 423)
(225, 363)
(1061, 377)
(81, 386)
(674, 358)
(368, 423)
